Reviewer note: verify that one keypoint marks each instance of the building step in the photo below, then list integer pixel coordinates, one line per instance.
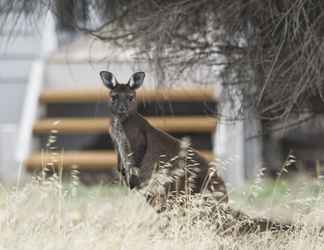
(101, 95)
(83, 160)
(172, 124)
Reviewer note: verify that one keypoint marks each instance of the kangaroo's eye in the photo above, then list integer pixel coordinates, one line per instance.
(130, 98)
(114, 97)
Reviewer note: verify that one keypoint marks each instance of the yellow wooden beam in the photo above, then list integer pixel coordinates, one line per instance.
(93, 160)
(192, 124)
(101, 95)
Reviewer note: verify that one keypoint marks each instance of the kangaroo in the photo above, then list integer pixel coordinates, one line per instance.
(144, 151)
(141, 148)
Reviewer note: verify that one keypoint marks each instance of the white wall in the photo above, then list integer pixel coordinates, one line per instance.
(11, 99)
(20, 45)
(8, 143)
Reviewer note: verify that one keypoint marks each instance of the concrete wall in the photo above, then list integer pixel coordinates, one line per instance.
(11, 100)
(20, 45)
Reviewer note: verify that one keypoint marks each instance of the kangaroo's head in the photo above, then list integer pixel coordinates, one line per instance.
(122, 95)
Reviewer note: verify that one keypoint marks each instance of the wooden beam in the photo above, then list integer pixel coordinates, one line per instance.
(93, 160)
(192, 124)
(101, 95)
(83, 160)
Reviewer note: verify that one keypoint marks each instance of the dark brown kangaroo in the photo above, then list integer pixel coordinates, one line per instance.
(144, 151)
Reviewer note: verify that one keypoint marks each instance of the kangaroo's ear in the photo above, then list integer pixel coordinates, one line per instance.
(108, 79)
(136, 80)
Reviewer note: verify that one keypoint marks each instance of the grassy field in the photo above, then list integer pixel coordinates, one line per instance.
(49, 215)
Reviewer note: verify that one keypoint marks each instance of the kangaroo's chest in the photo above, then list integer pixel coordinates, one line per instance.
(121, 142)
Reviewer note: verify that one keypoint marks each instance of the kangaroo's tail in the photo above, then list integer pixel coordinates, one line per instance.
(241, 223)
(262, 224)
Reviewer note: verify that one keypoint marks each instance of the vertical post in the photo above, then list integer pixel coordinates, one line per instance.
(252, 145)
(229, 146)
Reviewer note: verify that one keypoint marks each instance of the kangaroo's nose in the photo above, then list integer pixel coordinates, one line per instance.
(122, 109)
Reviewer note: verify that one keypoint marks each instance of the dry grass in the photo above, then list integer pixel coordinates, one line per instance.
(48, 215)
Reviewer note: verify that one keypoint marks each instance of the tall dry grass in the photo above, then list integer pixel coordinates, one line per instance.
(47, 214)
